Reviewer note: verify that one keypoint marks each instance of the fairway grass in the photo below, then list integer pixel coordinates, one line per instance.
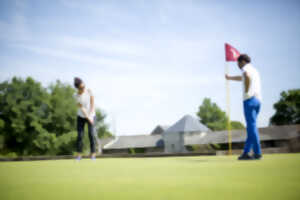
(173, 178)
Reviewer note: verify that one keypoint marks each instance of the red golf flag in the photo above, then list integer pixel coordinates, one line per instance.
(231, 53)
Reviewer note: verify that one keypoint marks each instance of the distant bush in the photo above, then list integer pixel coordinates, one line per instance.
(9, 155)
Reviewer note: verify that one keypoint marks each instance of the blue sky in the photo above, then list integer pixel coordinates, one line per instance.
(151, 62)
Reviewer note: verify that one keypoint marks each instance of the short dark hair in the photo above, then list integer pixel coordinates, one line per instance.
(244, 57)
(77, 82)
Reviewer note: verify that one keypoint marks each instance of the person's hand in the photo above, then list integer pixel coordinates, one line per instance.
(227, 77)
(91, 121)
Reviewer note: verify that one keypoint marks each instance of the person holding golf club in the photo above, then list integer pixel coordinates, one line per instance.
(252, 103)
(85, 114)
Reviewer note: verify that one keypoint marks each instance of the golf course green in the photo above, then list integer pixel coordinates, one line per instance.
(192, 178)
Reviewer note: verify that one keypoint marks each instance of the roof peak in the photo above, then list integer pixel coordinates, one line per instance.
(187, 124)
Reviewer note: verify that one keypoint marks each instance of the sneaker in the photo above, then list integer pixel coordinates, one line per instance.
(245, 156)
(257, 156)
(93, 158)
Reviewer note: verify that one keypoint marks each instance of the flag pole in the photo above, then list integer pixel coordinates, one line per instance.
(228, 110)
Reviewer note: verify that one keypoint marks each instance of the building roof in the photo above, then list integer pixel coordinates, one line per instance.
(105, 141)
(136, 141)
(193, 138)
(187, 124)
(159, 129)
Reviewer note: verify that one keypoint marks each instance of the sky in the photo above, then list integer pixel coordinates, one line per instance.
(151, 62)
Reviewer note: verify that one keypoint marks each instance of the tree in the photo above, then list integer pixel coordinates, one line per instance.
(62, 109)
(214, 118)
(236, 125)
(1, 135)
(101, 127)
(287, 108)
(23, 105)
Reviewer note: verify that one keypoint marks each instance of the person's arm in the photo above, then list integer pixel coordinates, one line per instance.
(247, 81)
(233, 78)
(85, 113)
(92, 103)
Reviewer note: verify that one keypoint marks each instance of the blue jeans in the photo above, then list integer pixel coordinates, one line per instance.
(251, 110)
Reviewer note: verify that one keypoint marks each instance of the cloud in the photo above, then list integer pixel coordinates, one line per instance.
(96, 61)
(107, 46)
(105, 12)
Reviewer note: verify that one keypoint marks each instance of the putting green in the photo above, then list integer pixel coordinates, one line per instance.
(215, 177)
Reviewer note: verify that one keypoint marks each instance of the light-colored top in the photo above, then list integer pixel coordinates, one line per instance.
(254, 85)
(85, 100)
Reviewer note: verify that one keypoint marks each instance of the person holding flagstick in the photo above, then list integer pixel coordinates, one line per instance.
(252, 103)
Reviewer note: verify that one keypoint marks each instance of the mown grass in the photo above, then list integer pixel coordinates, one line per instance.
(215, 177)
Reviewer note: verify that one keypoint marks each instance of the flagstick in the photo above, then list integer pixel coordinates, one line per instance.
(228, 110)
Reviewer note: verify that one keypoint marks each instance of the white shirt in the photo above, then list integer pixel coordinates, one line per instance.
(254, 85)
(85, 100)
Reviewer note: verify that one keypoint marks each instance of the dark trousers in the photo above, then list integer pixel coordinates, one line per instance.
(80, 129)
